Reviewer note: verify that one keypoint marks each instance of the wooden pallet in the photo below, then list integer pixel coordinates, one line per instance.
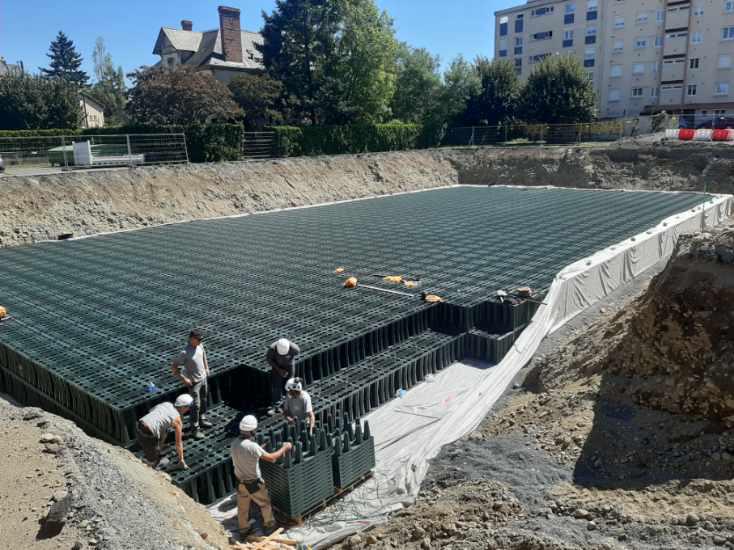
(298, 521)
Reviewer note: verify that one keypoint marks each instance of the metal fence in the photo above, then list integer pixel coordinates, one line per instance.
(258, 145)
(720, 120)
(41, 154)
(539, 134)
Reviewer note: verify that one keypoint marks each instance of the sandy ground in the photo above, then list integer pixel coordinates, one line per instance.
(574, 457)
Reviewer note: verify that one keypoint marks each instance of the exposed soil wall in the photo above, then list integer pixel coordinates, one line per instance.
(84, 203)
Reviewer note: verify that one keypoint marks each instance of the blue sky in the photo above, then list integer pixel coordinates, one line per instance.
(130, 27)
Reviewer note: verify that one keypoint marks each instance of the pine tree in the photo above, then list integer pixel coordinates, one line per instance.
(65, 62)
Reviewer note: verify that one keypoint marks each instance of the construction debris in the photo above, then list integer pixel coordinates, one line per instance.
(3, 312)
(431, 298)
(339, 270)
(351, 282)
(397, 279)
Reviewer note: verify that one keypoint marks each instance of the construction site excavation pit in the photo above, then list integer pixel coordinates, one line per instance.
(94, 322)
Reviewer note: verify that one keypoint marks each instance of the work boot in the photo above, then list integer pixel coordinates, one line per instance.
(271, 411)
(198, 434)
(244, 533)
(162, 464)
(204, 423)
(270, 529)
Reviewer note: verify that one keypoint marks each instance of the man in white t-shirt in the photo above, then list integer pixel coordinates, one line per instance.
(297, 403)
(246, 456)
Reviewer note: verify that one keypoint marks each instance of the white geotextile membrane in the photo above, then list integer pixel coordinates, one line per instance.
(411, 430)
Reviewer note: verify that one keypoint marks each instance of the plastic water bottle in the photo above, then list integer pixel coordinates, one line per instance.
(151, 388)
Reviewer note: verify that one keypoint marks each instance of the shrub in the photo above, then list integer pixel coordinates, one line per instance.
(334, 140)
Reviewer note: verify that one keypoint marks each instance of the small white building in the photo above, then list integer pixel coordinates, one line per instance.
(92, 113)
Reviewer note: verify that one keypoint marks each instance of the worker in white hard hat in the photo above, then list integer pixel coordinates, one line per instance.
(153, 429)
(281, 356)
(246, 457)
(297, 404)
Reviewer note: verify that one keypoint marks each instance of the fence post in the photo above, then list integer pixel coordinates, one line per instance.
(63, 150)
(129, 150)
(186, 149)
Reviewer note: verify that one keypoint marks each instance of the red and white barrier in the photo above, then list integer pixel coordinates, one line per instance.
(702, 134)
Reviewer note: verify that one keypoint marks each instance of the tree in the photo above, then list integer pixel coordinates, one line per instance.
(418, 85)
(298, 37)
(499, 94)
(109, 88)
(558, 91)
(179, 97)
(335, 59)
(259, 98)
(461, 83)
(32, 103)
(360, 77)
(65, 62)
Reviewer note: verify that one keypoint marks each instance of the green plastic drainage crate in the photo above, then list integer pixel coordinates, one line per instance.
(301, 481)
(354, 455)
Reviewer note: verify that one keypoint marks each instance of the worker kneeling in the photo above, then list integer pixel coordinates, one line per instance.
(246, 456)
(153, 429)
(297, 404)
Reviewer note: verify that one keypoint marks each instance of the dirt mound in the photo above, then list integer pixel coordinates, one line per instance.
(677, 352)
(61, 489)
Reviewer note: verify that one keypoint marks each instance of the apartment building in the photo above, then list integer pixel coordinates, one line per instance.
(642, 55)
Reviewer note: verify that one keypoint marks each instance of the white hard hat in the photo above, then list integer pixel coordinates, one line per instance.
(282, 346)
(183, 400)
(294, 384)
(248, 424)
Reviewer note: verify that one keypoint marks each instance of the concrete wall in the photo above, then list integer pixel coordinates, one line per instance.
(84, 203)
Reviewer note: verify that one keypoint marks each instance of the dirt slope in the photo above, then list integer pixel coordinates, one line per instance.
(99, 496)
(618, 438)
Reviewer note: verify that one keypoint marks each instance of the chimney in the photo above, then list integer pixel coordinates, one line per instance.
(230, 33)
(187, 25)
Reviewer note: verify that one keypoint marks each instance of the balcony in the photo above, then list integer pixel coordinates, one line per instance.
(677, 18)
(673, 70)
(675, 44)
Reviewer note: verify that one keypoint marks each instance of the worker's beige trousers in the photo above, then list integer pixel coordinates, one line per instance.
(261, 498)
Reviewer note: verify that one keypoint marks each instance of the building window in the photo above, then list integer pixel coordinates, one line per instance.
(642, 17)
(589, 57)
(698, 10)
(545, 35)
(570, 16)
(692, 89)
(654, 91)
(503, 47)
(721, 88)
(696, 38)
(619, 22)
(640, 43)
(518, 62)
(592, 15)
(638, 68)
(504, 22)
(638, 92)
(660, 16)
(618, 46)
(568, 39)
(615, 71)
(537, 58)
(614, 96)
(729, 6)
(591, 35)
(658, 41)
(518, 45)
(727, 33)
(520, 23)
(693, 63)
(724, 61)
(538, 12)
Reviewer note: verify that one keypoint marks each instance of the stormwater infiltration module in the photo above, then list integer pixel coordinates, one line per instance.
(95, 322)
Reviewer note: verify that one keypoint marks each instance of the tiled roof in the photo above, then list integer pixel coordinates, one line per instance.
(207, 48)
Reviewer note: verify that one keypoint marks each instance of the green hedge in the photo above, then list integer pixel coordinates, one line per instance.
(334, 140)
(205, 143)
